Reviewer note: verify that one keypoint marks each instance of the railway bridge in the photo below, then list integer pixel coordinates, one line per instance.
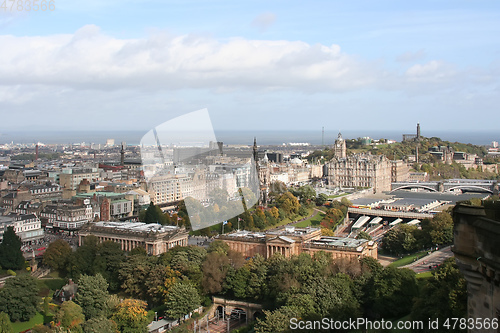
(450, 185)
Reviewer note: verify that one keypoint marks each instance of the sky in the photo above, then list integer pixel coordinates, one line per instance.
(255, 65)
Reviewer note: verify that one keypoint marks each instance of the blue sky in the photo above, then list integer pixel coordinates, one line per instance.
(256, 65)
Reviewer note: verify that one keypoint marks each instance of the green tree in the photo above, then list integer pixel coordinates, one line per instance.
(5, 324)
(443, 296)
(160, 279)
(277, 188)
(92, 295)
(11, 256)
(181, 300)
(259, 218)
(277, 321)
(303, 210)
(364, 235)
(214, 270)
(334, 297)
(305, 193)
(133, 274)
(131, 317)
(18, 298)
(82, 260)
(401, 239)
(321, 199)
(236, 281)
(393, 292)
(70, 316)
(218, 246)
(345, 202)
(57, 254)
(441, 228)
(289, 203)
(155, 215)
(101, 325)
(256, 285)
(109, 257)
(332, 217)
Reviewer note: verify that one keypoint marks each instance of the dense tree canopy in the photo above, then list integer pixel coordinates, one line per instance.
(57, 254)
(406, 239)
(18, 298)
(11, 256)
(70, 316)
(92, 295)
(181, 300)
(101, 325)
(443, 296)
(5, 324)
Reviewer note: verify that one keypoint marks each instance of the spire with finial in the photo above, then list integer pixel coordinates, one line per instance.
(122, 154)
(255, 157)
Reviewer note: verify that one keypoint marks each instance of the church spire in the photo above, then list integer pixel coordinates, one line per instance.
(255, 150)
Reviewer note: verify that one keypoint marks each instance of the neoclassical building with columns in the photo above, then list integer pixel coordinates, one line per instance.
(154, 238)
(290, 241)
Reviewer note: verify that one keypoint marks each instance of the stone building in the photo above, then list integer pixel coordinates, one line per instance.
(339, 149)
(294, 241)
(359, 170)
(27, 226)
(400, 171)
(70, 178)
(476, 235)
(154, 238)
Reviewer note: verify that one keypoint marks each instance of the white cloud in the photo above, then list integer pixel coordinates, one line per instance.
(90, 59)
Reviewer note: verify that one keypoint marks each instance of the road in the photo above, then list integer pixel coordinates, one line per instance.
(432, 260)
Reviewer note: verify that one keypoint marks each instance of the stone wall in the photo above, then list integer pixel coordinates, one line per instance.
(477, 253)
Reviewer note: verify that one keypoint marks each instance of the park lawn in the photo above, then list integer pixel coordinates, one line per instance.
(337, 195)
(424, 275)
(408, 259)
(288, 221)
(53, 284)
(314, 220)
(53, 274)
(21, 326)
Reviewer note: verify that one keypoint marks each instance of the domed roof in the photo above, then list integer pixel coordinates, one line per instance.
(296, 160)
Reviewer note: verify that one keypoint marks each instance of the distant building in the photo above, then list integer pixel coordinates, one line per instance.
(69, 216)
(70, 178)
(153, 237)
(67, 292)
(27, 226)
(418, 176)
(170, 188)
(291, 241)
(360, 170)
(400, 171)
(340, 149)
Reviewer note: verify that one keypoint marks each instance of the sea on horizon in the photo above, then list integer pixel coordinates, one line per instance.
(245, 137)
